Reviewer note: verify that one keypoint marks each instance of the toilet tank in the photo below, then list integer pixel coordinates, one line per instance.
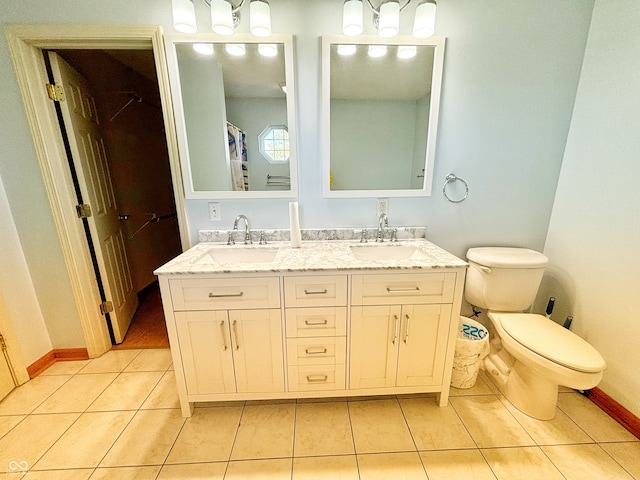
(503, 279)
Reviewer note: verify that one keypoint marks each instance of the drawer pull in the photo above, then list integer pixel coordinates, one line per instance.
(316, 351)
(396, 329)
(406, 332)
(235, 333)
(222, 336)
(403, 289)
(315, 292)
(316, 322)
(317, 378)
(222, 295)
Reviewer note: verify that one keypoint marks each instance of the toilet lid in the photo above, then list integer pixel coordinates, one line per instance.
(552, 341)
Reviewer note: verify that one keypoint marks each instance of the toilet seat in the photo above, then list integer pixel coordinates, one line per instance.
(552, 341)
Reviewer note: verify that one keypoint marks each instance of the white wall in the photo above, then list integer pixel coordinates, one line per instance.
(594, 234)
(510, 76)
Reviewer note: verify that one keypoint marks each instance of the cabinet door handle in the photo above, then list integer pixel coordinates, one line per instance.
(235, 333)
(406, 332)
(322, 321)
(317, 378)
(223, 336)
(315, 292)
(396, 329)
(315, 351)
(403, 289)
(222, 295)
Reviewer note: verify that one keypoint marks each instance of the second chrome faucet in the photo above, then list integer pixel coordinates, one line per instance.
(247, 229)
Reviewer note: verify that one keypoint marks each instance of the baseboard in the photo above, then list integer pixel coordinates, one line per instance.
(616, 411)
(57, 355)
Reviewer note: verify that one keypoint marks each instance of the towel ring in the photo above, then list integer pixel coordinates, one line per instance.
(450, 179)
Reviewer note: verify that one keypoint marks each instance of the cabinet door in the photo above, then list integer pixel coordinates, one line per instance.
(375, 334)
(205, 346)
(257, 350)
(422, 345)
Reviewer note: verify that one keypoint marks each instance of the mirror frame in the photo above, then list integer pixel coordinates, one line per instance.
(434, 109)
(174, 77)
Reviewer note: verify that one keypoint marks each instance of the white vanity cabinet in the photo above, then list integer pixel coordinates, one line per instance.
(400, 327)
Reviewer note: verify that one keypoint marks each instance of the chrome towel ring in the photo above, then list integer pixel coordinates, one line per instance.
(450, 179)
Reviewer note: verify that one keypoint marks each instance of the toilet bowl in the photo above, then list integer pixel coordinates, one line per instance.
(531, 355)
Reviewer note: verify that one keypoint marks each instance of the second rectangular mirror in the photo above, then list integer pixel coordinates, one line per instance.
(235, 114)
(380, 115)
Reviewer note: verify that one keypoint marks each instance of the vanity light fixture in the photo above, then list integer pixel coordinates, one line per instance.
(377, 50)
(203, 48)
(386, 17)
(235, 49)
(268, 49)
(225, 16)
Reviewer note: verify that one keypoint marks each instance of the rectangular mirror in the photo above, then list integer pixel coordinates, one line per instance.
(235, 114)
(380, 115)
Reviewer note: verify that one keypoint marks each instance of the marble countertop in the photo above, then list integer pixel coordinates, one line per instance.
(311, 256)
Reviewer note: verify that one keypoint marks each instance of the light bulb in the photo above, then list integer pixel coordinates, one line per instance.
(389, 19)
(203, 48)
(260, 18)
(352, 17)
(221, 17)
(377, 50)
(184, 16)
(425, 21)
(235, 49)
(268, 49)
(407, 51)
(346, 49)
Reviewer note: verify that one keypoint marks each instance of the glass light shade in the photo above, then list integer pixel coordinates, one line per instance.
(184, 16)
(377, 50)
(268, 49)
(260, 18)
(352, 17)
(407, 51)
(203, 48)
(424, 24)
(235, 49)
(346, 49)
(221, 17)
(389, 20)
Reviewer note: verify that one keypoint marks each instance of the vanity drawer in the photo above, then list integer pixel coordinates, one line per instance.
(399, 288)
(316, 351)
(228, 293)
(316, 322)
(315, 291)
(316, 377)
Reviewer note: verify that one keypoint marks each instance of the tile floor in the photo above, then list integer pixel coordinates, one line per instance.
(117, 417)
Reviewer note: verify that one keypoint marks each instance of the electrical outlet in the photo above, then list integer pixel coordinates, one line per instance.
(214, 211)
(382, 206)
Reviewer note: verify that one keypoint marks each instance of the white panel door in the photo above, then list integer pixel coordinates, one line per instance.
(90, 161)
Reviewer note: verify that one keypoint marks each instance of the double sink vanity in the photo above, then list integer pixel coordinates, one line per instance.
(332, 318)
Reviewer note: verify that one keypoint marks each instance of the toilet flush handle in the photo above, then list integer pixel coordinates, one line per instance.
(484, 269)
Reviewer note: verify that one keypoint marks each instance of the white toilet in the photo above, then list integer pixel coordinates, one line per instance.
(530, 354)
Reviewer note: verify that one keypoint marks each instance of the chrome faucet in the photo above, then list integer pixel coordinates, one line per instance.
(247, 230)
(383, 222)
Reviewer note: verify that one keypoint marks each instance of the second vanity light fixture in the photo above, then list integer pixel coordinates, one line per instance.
(386, 17)
(225, 16)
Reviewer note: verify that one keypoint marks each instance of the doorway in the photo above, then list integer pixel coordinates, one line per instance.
(26, 44)
(123, 85)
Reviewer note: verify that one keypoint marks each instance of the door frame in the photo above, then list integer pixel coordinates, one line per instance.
(26, 43)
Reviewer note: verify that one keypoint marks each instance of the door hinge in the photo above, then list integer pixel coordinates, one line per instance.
(106, 307)
(55, 92)
(83, 210)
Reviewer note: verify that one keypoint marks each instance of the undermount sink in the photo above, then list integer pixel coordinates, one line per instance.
(385, 252)
(242, 255)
